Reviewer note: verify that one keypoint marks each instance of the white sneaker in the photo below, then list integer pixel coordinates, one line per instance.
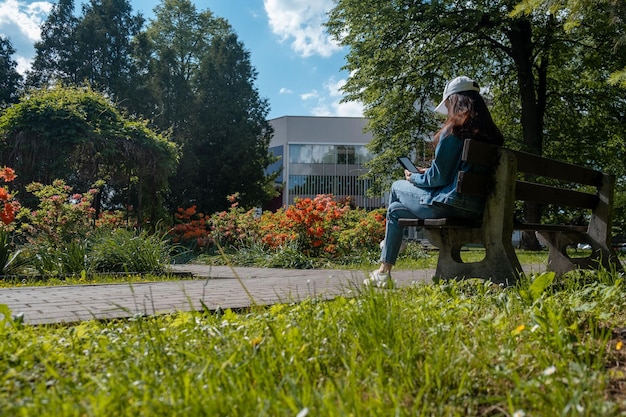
(379, 279)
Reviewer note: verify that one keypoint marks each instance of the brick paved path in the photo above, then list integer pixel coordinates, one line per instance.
(213, 286)
(216, 287)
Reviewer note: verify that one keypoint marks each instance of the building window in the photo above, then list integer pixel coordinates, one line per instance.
(329, 169)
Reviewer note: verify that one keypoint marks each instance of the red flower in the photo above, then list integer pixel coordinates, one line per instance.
(8, 174)
(7, 215)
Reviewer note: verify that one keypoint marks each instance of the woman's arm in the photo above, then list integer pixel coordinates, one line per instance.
(445, 165)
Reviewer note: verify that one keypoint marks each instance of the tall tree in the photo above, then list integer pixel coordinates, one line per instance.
(228, 148)
(93, 49)
(10, 79)
(103, 38)
(202, 84)
(54, 51)
(404, 51)
(176, 40)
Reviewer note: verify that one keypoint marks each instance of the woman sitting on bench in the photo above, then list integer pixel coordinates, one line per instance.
(430, 193)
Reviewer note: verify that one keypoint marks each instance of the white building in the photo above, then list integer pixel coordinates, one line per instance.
(322, 155)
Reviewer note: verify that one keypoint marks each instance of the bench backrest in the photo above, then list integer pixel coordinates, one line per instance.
(598, 196)
(534, 167)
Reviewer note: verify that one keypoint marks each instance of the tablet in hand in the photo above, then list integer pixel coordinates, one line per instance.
(407, 164)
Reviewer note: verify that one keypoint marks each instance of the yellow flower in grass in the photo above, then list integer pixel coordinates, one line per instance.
(518, 329)
(618, 345)
(255, 342)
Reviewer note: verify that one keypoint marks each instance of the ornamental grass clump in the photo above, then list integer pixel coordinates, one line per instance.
(130, 251)
(466, 348)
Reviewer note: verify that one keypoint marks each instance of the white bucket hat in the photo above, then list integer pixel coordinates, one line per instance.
(457, 85)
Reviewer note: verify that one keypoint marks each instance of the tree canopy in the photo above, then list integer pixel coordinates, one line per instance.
(232, 136)
(608, 13)
(547, 81)
(93, 49)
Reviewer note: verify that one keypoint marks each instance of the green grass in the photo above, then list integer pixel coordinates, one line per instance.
(414, 257)
(454, 349)
(87, 279)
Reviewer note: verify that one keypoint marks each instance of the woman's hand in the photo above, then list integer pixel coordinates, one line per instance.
(407, 173)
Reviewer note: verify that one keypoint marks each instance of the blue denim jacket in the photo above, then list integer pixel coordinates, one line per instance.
(439, 181)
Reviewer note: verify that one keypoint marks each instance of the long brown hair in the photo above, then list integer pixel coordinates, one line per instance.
(469, 118)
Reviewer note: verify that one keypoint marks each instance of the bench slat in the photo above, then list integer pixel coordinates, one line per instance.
(545, 167)
(450, 222)
(443, 222)
(545, 194)
(463, 223)
(468, 224)
(550, 227)
(411, 222)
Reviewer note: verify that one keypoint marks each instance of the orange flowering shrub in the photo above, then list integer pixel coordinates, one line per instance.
(191, 228)
(8, 205)
(320, 227)
(235, 228)
(276, 229)
(313, 224)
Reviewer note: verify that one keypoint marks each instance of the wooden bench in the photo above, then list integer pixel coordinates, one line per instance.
(570, 186)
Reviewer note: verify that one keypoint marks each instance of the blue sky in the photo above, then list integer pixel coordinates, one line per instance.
(299, 66)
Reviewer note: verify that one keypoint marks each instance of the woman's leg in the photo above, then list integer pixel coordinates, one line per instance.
(404, 202)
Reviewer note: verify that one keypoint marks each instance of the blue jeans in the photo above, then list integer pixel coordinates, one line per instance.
(405, 203)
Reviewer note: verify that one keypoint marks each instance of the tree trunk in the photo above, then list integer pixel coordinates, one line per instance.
(532, 93)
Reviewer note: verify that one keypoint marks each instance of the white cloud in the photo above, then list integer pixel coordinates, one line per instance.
(285, 90)
(25, 17)
(23, 64)
(322, 111)
(301, 20)
(310, 96)
(338, 109)
(349, 109)
(330, 104)
(334, 87)
(20, 22)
